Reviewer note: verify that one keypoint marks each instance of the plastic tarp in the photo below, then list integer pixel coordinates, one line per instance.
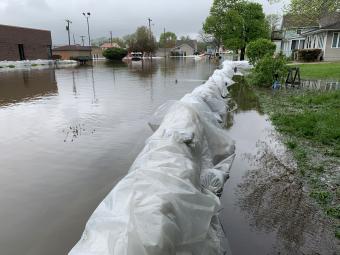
(168, 202)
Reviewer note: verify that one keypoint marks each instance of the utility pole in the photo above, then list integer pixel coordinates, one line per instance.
(82, 39)
(164, 44)
(87, 15)
(68, 30)
(74, 40)
(111, 37)
(149, 20)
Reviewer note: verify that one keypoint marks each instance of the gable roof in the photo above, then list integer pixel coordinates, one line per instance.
(191, 43)
(335, 26)
(298, 21)
(72, 48)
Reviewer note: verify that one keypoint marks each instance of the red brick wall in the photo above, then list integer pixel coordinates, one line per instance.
(35, 43)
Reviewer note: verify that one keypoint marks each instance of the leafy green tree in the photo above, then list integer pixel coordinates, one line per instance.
(312, 9)
(236, 23)
(168, 40)
(257, 49)
(141, 41)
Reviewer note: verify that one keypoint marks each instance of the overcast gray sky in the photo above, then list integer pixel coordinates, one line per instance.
(184, 17)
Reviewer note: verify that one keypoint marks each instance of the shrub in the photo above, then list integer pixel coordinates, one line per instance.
(267, 68)
(257, 49)
(11, 66)
(309, 54)
(114, 53)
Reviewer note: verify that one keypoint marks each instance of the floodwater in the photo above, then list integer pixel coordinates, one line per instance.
(266, 208)
(68, 135)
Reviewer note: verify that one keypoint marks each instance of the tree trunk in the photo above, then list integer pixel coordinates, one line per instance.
(243, 53)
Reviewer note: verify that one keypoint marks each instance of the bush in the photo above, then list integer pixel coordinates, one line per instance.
(309, 55)
(259, 48)
(115, 53)
(267, 68)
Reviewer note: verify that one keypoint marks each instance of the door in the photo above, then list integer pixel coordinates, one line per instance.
(21, 52)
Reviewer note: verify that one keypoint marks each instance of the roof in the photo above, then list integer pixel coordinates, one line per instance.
(191, 43)
(298, 21)
(335, 26)
(16, 27)
(72, 48)
(109, 45)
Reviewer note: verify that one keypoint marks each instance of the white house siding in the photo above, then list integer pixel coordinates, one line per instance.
(331, 54)
(278, 46)
(185, 49)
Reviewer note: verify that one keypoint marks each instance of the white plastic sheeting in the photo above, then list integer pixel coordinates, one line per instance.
(168, 202)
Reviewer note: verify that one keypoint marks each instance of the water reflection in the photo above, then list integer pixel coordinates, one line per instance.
(26, 85)
(243, 98)
(276, 202)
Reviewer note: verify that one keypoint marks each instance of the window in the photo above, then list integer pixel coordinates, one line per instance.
(336, 40)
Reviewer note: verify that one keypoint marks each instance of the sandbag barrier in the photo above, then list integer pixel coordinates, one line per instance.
(168, 202)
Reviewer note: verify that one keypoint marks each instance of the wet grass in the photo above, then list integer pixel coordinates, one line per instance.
(310, 124)
(320, 70)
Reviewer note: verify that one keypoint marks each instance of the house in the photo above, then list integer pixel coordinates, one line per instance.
(75, 52)
(106, 46)
(293, 28)
(326, 37)
(276, 38)
(19, 43)
(184, 48)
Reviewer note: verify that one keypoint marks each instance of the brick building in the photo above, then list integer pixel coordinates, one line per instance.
(18, 43)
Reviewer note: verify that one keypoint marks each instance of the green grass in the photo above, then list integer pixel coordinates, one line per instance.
(310, 124)
(320, 70)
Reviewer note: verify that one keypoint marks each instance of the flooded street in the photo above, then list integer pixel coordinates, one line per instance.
(68, 135)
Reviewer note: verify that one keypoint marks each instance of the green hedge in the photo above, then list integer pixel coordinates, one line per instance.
(115, 53)
(257, 49)
(309, 55)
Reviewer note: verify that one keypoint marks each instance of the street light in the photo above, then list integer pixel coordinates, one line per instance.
(87, 15)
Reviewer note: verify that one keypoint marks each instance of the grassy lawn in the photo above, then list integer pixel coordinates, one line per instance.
(320, 70)
(310, 124)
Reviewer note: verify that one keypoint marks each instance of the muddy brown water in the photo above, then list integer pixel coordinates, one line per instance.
(68, 135)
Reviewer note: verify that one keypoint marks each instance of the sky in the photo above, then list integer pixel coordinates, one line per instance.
(122, 17)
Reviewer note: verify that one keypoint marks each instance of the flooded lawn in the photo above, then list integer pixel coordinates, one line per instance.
(68, 135)
(266, 208)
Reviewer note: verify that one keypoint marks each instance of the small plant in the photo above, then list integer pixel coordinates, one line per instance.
(34, 64)
(259, 48)
(322, 197)
(11, 66)
(267, 68)
(114, 53)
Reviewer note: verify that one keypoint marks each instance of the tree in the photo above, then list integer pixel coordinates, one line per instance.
(273, 21)
(312, 9)
(168, 40)
(246, 23)
(101, 40)
(141, 41)
(236, 23)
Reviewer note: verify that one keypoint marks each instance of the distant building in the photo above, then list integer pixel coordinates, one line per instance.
(184, 48)
(106, 46)
(18, 43)
(75, 52)
(276, 38)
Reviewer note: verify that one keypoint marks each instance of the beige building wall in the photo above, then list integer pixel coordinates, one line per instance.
(331, 54)
(67, 55)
